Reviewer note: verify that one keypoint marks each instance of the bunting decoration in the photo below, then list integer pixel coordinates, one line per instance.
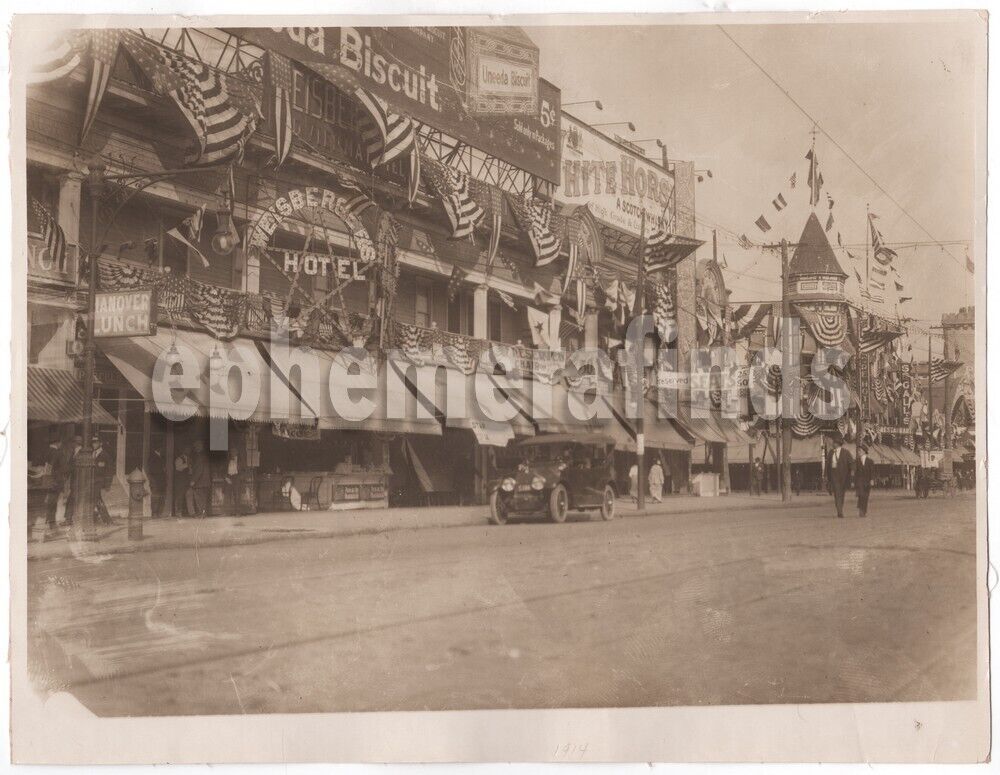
(413, 341)
(103, 53)
(747, 318)
(53, 237)
(219, 310)
(207, 99)
(535, 216)
(452, 187)
(828, 328)
(61, 57)
(281, 92)
(805, 423)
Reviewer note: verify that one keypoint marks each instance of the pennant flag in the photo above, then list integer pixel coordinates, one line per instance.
(762, 224)
(883, 254)
(59, 59)
(53, 237)
(203, 96)
(829, 200)
(538, 321)
(192, 225)
(744, 242)
(452, 188)
(791, 180)
(829, 222)
(545, 297)
(899, 285)
(281, 87)
(458, 276)
(103, 52)
(779, 202)
(535, 216)
(496, 214)
(815, 179)
(506, 298)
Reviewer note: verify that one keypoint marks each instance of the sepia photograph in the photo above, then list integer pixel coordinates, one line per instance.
(531, 365)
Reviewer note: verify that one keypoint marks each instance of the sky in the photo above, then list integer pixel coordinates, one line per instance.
(899, 98)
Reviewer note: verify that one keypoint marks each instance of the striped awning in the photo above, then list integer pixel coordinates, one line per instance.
(55, 396)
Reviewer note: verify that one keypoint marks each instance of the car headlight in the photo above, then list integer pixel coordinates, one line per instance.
(537, 483)
(507, 485)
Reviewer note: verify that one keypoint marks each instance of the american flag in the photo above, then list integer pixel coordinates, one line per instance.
(940, 368)
(506, 298)
(458, 276)
(496, 215)
(203, 96)
(452, 187)
(358, 201)
(815, 179)
(53, 237)
(103, 52)
(281, 85)
(657, 254)
(536, 218)
(58, 59)
(883, 254)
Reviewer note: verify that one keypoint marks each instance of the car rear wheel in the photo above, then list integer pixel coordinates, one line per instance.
(608, 504)
(558, 504)
(498, 509)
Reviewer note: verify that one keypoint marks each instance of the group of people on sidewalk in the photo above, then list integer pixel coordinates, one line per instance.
(842, 468)
(192, 481)
(59, 471)
(655, 480)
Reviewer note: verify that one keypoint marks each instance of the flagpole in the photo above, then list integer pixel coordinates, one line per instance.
(640, 434)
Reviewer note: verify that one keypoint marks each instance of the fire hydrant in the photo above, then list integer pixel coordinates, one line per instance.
(136, 498)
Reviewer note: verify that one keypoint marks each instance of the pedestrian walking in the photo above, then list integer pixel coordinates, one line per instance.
(756, 475)
(633, 482)
(234, 481)
(102, 479)
(863, 479)
(656, 482)
(840, 473)
(182, 479)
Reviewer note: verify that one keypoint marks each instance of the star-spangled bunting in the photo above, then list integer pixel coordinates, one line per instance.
(281, 96)
(53, 237)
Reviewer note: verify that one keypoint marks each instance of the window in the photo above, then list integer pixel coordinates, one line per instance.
(494, 318)
(424, 296)
(316, 92)
(460, 314)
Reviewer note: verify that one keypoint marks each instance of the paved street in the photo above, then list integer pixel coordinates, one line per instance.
(754, 606)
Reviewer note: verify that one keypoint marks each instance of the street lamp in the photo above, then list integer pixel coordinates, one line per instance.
(83, 519)
(629, 124)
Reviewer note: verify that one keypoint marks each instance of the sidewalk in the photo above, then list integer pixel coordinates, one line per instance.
(173, 533)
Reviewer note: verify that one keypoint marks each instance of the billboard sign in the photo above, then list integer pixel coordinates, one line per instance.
(127, 313)
(616, 184)
(422, 72)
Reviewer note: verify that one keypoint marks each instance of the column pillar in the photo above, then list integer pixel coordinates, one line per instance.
(480, 312)
(591, 339)
(70, 187)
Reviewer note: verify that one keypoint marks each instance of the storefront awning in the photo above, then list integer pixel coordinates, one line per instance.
(659, 432)
(701, 428)
(908, 456)
(807, 450)
(55, 396)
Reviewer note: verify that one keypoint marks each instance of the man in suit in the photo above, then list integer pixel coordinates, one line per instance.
(863, 479)
(839, 468)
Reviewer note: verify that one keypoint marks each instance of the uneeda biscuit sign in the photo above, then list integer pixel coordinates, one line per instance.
(128, 313)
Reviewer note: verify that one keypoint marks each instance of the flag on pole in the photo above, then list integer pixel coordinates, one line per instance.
(192, 225)
(744, 242)
(762, 224)
(815, 178)
(506, 298)
(884, 255)
(656, 253)
(453, 189)
(281, 87)
(103, 53)
(204, 97)
(538, 321)
(53, 237)
(535, 217)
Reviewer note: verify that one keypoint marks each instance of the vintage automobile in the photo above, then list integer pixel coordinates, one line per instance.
(552, 474)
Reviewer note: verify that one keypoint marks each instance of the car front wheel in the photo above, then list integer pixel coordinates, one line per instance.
(498, 509)
(608, 504)
(558, 504)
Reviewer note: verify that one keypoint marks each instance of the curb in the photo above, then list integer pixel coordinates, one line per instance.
(260, 536)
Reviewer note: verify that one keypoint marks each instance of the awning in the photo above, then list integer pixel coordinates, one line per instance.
(807, 450)
(55, 396)
(908, 456)
(555, 409)
(659, 432)
(702, 429)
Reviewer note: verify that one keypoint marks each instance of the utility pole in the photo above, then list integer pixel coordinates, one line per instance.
(786, 344)
(83, 518)
(946, 406)
(640, 423)
(930, 398)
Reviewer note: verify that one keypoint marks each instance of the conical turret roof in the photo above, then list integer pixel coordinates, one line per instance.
(813, 253)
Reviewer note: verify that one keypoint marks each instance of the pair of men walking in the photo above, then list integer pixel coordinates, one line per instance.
(839, 467)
